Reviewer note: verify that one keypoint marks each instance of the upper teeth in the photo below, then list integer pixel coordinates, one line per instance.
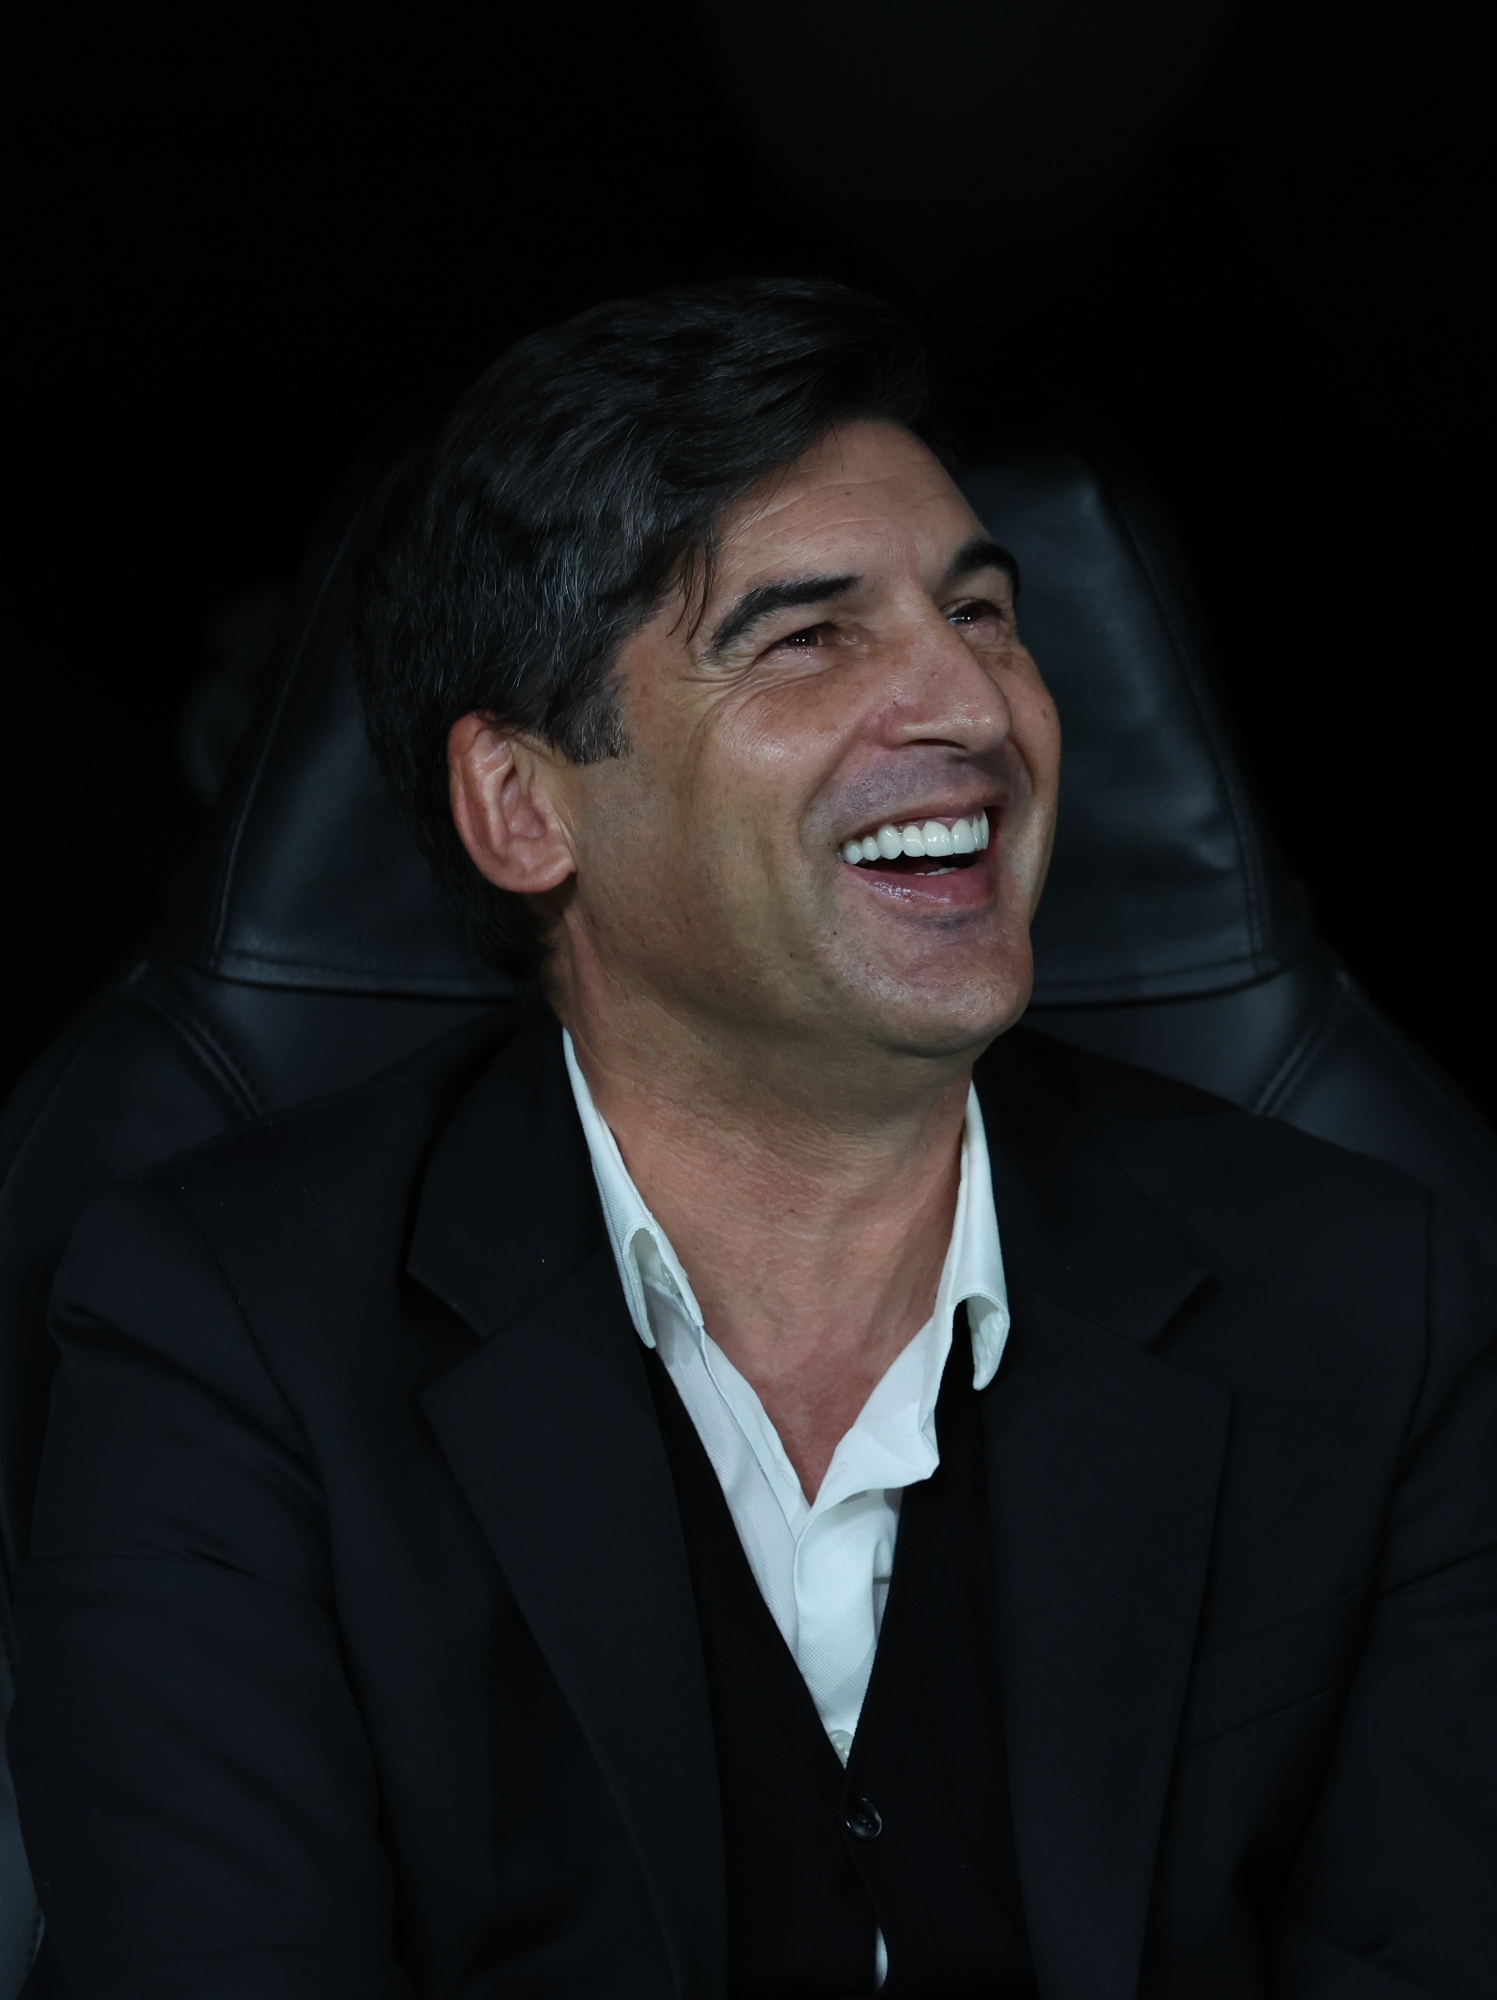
(933, 838)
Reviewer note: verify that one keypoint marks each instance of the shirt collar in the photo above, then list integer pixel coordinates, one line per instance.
(972, 1274)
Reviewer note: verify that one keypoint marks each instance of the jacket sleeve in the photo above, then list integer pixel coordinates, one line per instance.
(196, 1789)
(1395, 1893)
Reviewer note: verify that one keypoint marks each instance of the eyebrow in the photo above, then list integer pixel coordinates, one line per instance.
(764, 599)
(982, 552)
(795, 593)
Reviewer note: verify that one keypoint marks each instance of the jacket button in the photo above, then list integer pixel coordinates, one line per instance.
(863, 1821)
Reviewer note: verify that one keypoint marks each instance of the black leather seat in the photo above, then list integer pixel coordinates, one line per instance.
(1171, 934)
(307, 948)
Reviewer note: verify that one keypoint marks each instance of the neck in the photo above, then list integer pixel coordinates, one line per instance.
(809, 1192)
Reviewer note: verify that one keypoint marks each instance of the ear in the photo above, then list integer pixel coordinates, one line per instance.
(507, 795)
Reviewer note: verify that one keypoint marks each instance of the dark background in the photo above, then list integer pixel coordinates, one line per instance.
(1234, 247)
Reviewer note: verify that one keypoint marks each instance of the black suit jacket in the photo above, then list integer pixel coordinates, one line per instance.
(359, 1651)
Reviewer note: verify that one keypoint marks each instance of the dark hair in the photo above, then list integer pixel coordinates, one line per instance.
(510, 556)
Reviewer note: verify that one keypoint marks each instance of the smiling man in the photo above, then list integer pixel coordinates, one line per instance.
(743, 1476)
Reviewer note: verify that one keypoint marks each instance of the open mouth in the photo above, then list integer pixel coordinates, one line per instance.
(919, 847)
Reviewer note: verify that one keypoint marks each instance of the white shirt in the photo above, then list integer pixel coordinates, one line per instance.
(823, 1565)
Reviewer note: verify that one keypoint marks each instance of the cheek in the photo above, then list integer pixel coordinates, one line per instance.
(767, 754)
(626, 830)
(716, 798)
(658, 841)
(1036, 732)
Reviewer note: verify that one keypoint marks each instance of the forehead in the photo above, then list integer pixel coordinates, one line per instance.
(869, 497)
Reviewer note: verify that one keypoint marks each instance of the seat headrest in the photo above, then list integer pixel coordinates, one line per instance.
(1164, 881)
(307, 876)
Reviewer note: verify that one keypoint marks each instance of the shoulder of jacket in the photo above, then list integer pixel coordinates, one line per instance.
(1149, 1116)
(372, 1133)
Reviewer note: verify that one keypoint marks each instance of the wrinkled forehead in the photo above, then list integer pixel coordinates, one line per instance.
(869, 496)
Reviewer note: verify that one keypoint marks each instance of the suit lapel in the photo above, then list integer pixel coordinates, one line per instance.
(1104, 1463)
(548, 1427)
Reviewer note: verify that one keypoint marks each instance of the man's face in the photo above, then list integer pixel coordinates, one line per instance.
(856, 667)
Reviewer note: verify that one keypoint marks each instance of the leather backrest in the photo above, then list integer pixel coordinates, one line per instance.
(1165, 881)
(307, 877)
(1171, 934)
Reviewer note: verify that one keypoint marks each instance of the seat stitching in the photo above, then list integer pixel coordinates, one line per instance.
(1244, 822)
(229, 864)
(154, 991)
(1309, 1045)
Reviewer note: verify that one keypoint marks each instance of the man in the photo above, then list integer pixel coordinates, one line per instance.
(744, 1476)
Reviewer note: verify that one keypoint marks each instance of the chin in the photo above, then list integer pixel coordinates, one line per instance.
(947, 1017)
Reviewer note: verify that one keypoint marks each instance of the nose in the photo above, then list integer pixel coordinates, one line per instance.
(940, 692)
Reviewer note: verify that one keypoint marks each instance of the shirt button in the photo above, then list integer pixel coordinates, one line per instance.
(842, 1743)
(864, 1821)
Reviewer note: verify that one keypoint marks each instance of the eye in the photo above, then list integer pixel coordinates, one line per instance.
(976, 611)
(808, 636)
